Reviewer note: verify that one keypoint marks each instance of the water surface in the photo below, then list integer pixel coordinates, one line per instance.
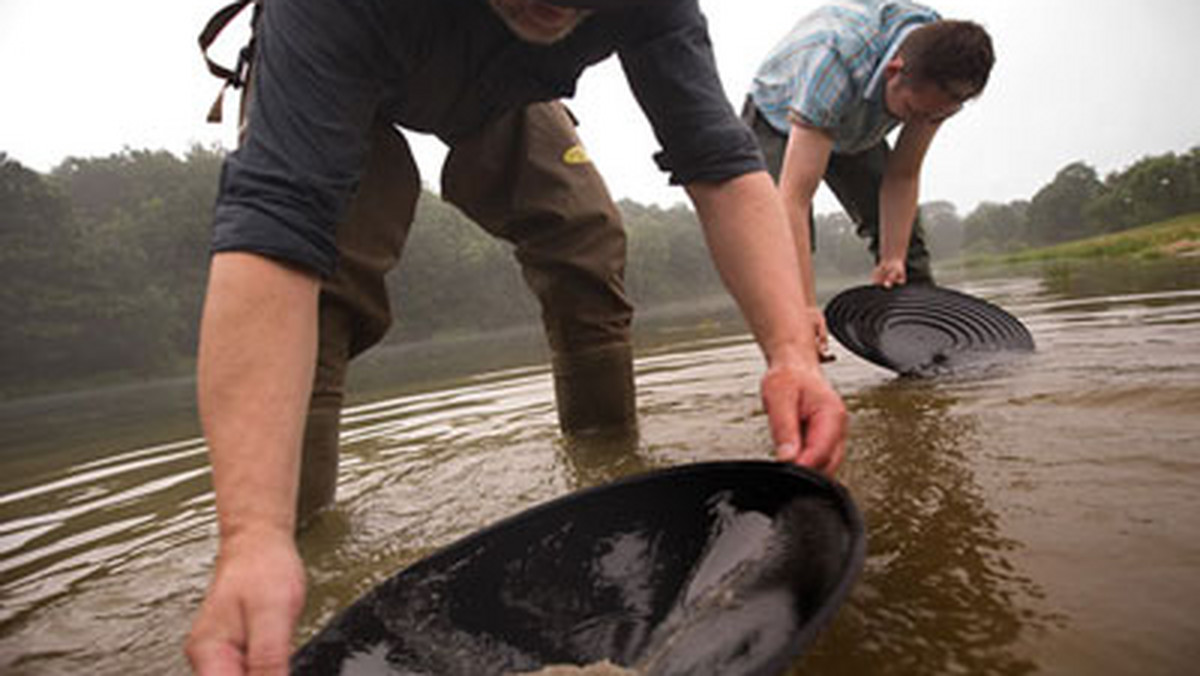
(1043, 517)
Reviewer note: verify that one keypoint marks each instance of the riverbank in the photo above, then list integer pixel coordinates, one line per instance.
(1177, 237)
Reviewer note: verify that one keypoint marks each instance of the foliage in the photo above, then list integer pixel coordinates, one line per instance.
(840, 252)
(997, 227)
(105, 259)
(843, 254)
(668, 260)
(1152, 189)
(39, 312)
(1077, 204)
(944, 232)
(1056, 212)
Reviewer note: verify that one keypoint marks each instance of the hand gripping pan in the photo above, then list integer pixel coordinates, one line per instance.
(726, 568)
(922, 329)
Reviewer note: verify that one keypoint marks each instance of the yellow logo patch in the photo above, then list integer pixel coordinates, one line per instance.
(576, 155)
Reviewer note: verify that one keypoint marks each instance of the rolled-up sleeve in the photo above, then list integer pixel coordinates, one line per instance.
(673, 74)
(283, 190)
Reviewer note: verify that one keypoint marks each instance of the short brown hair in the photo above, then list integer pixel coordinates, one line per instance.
(957, 56)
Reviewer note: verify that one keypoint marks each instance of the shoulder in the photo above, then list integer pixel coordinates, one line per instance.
(904, 11)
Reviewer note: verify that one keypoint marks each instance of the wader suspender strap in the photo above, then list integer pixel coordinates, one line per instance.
(235, 77)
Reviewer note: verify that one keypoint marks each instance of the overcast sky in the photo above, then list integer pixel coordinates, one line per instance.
(1102, 81)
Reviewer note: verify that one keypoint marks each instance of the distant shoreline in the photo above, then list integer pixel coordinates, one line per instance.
(1178, 237)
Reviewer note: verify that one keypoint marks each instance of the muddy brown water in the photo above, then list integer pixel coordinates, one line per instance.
(1043, 517)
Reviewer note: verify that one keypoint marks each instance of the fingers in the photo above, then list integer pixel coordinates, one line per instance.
(270, 640)
(781, 399)
(806, 417)
(820, 334)
(888, 274)
(824, 439)
(214, 647)
(246, 622)
(214, 658)
(823, 353)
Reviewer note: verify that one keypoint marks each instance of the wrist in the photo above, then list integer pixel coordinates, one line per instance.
(802, 355)
(237, 536)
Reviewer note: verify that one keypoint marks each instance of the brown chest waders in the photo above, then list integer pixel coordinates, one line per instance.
(524, 177)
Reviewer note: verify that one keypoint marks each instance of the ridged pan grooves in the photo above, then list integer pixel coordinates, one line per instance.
(923, 329)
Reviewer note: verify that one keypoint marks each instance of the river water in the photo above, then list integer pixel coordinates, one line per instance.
(1042, 518)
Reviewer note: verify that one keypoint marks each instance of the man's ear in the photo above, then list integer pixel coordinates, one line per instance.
(894, 67)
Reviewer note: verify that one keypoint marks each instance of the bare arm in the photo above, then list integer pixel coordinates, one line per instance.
(898, 199)
(257, 350)
(748, 235)
(804, 164)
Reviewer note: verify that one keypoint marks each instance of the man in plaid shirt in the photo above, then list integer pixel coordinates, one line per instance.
(827, 96)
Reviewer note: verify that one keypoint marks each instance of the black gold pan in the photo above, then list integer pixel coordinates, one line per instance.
(727, 568)
(923, 329)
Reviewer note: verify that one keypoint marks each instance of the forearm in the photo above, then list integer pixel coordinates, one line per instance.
(749, 239)
(798, 207)
(804, 164)
(897, 212)
(257, 351)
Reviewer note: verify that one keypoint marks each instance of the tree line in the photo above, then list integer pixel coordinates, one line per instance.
(104, 262)
(1078, 203)
(104, 259)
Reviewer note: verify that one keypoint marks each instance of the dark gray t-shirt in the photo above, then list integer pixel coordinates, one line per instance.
(325, 69)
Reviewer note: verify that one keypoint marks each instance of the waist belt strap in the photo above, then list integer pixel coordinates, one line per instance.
(234, 77)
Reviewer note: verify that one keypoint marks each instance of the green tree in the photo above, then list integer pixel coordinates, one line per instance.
(993, 227)
(1056, 212)
(1152, 189)
(943, 229)
(144, 221)
(38, 307)
(840, 252)
(668, 258)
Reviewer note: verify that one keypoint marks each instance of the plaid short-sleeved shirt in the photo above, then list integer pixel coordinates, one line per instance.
(828, 70)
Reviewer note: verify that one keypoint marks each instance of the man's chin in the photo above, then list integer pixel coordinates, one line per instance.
(539, 23)
(541, 36)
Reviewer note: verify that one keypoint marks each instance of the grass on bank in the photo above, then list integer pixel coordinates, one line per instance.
(1179, 236)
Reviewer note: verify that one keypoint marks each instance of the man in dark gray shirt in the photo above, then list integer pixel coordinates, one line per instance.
(315, 204)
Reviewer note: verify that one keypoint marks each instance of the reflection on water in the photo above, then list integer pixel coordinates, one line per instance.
(1119, 278)
(1042, 518)
(940, 594)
